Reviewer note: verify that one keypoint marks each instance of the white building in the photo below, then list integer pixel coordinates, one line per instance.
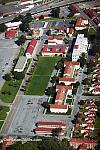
(12, 25)
(21, 64)
(23, 2)
(80, 47)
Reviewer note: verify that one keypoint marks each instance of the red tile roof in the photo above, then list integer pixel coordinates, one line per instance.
(83, 140)
(67, 79)
(79, 22)
(56, 106)
(73, 8)
(11, 33)
(31, 46)
(51, 124)
(46, 130)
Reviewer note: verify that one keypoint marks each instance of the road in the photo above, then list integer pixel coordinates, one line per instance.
(42, 8)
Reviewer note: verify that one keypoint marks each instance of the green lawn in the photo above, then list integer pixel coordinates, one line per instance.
(41, 75)
(69, 101)
(3, 112)
(9, 90)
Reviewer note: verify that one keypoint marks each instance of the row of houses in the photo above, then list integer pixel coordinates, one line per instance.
(86, 127)
(95, 88)
(63, 91)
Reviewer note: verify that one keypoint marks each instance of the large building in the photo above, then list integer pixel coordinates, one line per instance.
(81, 24)
(81, 46)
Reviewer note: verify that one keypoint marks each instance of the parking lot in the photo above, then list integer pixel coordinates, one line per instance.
(26, 112)
(8, 51)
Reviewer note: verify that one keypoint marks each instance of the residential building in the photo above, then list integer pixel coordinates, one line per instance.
(81, 24)
(81, 46)
(21, 63)
(31, 48)
(74, 10)
(55, 41)
(76, 142)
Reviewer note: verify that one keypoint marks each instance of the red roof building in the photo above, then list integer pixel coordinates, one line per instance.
(26, 2)
(76, 142)
(46, 131)
(31, 48)
(10, 34)
(54, 50)
(73, 8)
(51, 125)
(81, 24)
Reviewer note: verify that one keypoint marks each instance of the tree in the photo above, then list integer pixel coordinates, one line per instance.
(55, 79)
(18, 18)
(76, 84)
(28, 18)
(18, 75)
(74, 91)
(55, 12)
(59, 65)
(51, 91)
(22, 39)
(56, 131)
(86, 81)
(24, 27)
(46, 105)
(48, 33)
(82, 61)
(7, 77)
(41, 17)
(3, 27)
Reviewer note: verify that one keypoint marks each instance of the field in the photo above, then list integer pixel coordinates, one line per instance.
(3, 111)
(41, 75)
(7, 1)
(9, 90)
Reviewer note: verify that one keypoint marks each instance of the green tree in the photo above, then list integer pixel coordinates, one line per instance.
(55, 79)
(59, 65)
(46, 105)
(55, 12)
(3, 28)
(86, 81)
(18, 75)
(22, 39)
(7, 77)
(41, 17)
(56, 131)
(48, 33)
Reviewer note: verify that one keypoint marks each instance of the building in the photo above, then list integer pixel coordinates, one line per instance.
(46, 128)
(76, 142)
(81, 46)
(10, 34)
(60, 105)
(51, 125)
(47, 131)
(31, 48)
(13, 25)
(81, 24)
(52, 50)
(21, 63)
(23, 2)
(55, 41)
(70, 72)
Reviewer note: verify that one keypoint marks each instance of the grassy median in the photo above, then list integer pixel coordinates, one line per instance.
(41, 75)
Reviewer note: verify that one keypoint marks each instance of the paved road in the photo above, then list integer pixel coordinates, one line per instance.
(42, 8)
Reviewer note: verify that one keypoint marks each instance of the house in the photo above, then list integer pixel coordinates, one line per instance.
(67, 80)
(96, 91)
(76, 142)
(31, 48)
(12, 25)
(70, 31)
(52, 50)
(81, 46)
(10, 34)
(21, 63)
(51, 125)
(81, 24)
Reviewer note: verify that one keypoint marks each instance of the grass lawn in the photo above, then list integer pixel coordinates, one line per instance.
(3, 112)
(41, 75)
(9, 90)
